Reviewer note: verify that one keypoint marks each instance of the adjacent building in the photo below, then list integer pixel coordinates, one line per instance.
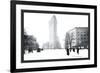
(78, 37)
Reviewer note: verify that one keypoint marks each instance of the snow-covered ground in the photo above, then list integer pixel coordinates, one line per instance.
(55, 54)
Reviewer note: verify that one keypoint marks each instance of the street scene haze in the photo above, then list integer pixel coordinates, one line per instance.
(55, 36)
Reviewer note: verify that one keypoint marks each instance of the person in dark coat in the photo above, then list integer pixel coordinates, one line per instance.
(77, 50)
(68, 52)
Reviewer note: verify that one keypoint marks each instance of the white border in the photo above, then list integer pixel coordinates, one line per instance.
(20, 65)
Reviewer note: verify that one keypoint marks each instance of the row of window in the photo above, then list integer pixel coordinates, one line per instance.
(80, 38)
(81, 42)
(72, 35)
(82, 34)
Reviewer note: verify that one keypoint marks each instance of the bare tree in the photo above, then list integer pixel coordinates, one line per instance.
(67, 41)
(30, 43)
(70, 40)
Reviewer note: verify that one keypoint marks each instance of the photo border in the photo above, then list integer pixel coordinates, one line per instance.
(13, 35)
(51, 12)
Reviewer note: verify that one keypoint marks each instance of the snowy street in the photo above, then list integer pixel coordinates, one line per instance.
(55, 54)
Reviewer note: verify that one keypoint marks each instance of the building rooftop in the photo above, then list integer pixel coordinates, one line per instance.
(78, 28)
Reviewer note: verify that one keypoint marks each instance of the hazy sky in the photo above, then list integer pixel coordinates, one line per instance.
(37, 24)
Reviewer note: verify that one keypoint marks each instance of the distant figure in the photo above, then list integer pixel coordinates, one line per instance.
(77, 50)
(68, 52)
(30, 50)
(73, 49)
(38, 49)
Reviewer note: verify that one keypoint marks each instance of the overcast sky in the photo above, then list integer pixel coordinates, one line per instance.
(37, 24)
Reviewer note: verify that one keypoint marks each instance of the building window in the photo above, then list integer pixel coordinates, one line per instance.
(81, 35)
(84, 32)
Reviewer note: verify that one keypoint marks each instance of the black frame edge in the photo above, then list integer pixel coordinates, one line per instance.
(54, 4)
(95, 36)
(56, 68)
(13, 37)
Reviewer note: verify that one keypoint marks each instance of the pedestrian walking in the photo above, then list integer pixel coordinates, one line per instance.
(77, 50)
(68, 52)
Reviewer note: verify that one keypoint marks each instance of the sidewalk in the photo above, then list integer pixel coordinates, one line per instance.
(55, 54)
